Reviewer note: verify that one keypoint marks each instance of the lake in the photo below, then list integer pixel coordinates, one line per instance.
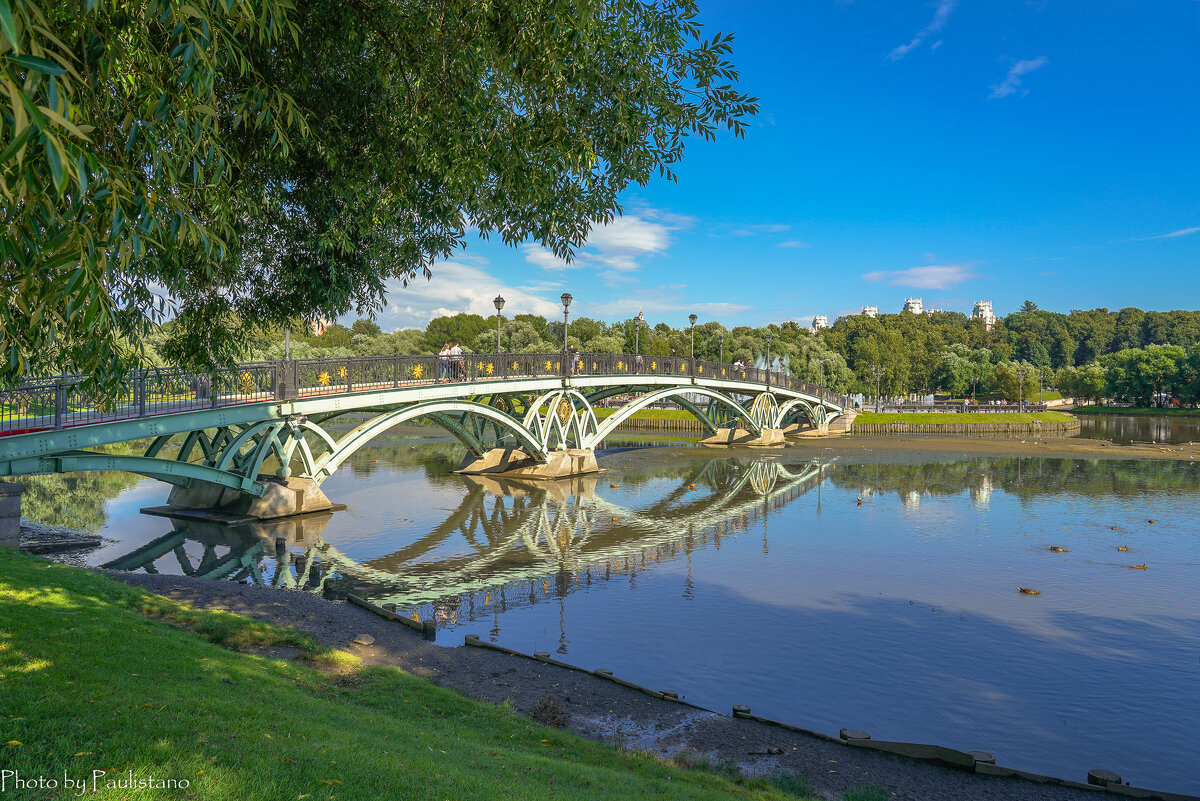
(871, 591)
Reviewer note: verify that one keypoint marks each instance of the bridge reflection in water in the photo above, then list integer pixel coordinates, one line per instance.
(507, 544)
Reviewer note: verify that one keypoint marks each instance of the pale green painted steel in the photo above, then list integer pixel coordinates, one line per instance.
(168, 470)
(364, 433)
(625, 412)
(285, 428)
(786, 408)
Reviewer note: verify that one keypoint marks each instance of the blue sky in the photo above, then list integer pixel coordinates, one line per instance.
(952, 150)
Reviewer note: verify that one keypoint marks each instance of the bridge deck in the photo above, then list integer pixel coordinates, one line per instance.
(268, 390)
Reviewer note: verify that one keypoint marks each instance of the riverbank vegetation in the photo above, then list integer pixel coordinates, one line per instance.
(1024, 354)
(171, 703)
(955, 418)
(1137, 411)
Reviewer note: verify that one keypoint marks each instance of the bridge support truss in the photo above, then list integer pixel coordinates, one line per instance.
(269, 460)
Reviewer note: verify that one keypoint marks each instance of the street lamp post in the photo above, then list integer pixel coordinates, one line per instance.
(692, 319)
(974, 382)
(878, 372)
(821, 378)
(721, 345)
(768, 372)
(1021, 388)
(499, 304)
(566, 302)
(638, 322)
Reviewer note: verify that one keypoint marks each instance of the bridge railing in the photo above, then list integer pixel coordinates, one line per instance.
(50, 403)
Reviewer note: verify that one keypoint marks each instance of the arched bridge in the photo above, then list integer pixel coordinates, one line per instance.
(256, 438)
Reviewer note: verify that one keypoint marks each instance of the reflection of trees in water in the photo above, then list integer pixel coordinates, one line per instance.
(1023, 477)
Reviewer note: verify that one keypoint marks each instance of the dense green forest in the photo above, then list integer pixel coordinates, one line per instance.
(1130, 355)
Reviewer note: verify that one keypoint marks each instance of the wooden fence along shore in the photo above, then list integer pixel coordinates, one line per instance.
(1065, 428)
(1052, 429)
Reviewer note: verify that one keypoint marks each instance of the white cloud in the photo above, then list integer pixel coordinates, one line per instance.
(621, 244)
(1012, 81)
(665, 307)
(762, 228)
(455, 288)
(540, 257)
(944, 7)
(794, 243)
(1172, 235)
(933, 276)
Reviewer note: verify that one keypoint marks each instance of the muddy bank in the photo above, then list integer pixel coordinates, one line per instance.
(908, 449)
(599, 709)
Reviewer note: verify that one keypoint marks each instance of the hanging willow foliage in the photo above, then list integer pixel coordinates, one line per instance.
(223, 164)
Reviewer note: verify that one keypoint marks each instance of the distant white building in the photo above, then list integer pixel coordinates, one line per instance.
(870, 311)
(933, 311)
(983, 311)
(913, 305)
(820, 321)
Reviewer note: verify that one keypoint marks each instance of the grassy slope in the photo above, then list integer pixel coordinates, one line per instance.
(1139, 411)
(96, 674)
(939, 418)
(650, 414)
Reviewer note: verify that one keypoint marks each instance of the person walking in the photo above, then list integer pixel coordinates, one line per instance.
(457, 363)
(443, 363)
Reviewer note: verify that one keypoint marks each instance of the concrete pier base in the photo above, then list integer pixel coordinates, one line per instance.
(516, 463)
(283, 498)
(10, 514)
(803, 430)
(560, 489)
(740, 436)
(842, 423)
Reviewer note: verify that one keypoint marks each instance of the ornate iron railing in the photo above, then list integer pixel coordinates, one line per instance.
(65, 401)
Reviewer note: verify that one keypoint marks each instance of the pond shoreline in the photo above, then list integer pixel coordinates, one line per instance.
(602, 710)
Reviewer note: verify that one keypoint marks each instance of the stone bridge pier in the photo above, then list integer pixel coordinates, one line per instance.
(515, 462)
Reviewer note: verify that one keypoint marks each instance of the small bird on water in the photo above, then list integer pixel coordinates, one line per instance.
(1059, 550)
(1122, 547)
(1139, 567)
(1029, 591)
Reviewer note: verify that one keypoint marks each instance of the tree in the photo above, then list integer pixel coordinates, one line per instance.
(461, 328)
(239, 162)
(365, 327)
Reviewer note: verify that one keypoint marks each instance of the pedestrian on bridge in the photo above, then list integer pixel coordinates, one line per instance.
(443, 363)
(457, 363)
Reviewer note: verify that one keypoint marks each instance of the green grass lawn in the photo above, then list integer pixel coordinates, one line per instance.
(97, 675)
(955, 418)
(1138, 411)
(650, 414)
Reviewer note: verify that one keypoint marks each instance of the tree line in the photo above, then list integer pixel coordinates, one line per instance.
(1094, 355)
(1128, 355)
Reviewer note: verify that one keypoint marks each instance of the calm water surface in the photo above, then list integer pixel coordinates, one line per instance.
(1124, 429)
(768, 584)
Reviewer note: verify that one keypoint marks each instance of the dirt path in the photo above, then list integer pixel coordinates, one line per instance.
(599, 709)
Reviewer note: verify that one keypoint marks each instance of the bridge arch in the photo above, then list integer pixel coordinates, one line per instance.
(567, 416)
(629, 409)
(439, 412)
